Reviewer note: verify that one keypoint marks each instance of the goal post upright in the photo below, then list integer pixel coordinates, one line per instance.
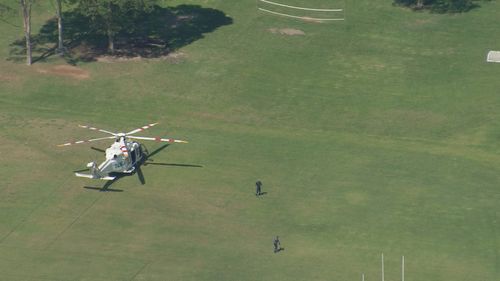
(403, 268)
(382, 265)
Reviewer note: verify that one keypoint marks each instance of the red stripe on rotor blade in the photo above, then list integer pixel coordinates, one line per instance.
(157, 139)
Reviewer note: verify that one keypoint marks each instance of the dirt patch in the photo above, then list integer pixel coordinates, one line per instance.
(422, 21)
(67, 71)
(173, 58)
(8, 77)
(287, 31)
(111, 59)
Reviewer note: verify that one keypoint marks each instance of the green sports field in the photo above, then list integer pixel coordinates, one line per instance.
(377, 134)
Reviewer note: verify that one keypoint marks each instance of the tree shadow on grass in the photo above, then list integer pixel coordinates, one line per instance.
(441, 6)
(155, 34)
(7, 12)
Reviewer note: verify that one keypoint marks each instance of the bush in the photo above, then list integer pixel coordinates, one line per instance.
(439, 6)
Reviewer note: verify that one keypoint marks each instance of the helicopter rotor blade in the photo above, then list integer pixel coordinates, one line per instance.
(140, 175)
(96, 129)
(84, 141)
(97, 149)
(81, 170)
(157, 150)
(141, 129)
(158, 139)
(101, 189)
(173, 164)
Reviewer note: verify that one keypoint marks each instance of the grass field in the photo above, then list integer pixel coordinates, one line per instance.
(377, 134)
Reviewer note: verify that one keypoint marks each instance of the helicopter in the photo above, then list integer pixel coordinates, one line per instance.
(122, 157)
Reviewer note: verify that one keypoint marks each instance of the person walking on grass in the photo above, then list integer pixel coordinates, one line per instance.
(258, 188)
(277, 244)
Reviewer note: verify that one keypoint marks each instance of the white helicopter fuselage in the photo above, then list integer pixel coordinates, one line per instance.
(121, 157)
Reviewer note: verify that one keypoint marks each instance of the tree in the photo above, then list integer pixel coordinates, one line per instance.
(26, 9)
(60, 45)
(440, 6)
(109, 17)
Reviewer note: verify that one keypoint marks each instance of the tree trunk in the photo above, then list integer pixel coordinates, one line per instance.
(60, 47)
(26, 7)
(111, 42)
(420, 4)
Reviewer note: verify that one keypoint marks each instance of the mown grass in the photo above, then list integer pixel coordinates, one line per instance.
(376, 134)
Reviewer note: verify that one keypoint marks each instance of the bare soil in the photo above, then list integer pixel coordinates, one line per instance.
(66, 70)
(174, 58)
(8, 77)
(287, 31)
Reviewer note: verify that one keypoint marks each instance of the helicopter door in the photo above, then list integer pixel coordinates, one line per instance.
(134, 157)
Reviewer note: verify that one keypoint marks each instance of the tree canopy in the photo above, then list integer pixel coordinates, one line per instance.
(439, 6)
(125, 28)
(112, 16)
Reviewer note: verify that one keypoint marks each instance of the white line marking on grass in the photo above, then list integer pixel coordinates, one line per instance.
(297, 17)
(302, 8)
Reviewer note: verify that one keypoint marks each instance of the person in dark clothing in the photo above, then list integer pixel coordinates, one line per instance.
(277, 244)
(258, 188)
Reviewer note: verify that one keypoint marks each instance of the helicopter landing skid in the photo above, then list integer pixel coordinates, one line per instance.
(130, 171)
(107, 178)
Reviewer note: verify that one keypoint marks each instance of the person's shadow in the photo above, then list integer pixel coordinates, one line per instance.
(279, 250)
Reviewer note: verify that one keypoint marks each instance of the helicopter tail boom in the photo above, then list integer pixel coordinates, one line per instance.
(94, 173)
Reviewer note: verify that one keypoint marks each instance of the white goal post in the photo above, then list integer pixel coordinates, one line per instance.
(493, 56)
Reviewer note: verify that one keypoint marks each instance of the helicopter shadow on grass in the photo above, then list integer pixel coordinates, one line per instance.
(147, 160)
(154, 34)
